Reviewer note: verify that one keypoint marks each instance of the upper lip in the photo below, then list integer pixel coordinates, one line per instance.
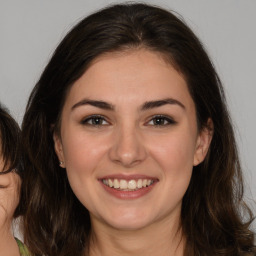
(128, 177)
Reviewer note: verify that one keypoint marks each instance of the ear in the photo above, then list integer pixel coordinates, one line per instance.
(59, 149)
(203, 142)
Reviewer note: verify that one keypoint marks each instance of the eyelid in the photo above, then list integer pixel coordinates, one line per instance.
(85, 120)
(169, 119)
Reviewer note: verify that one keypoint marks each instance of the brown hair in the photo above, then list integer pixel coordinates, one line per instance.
(56, 223)
(10, 147)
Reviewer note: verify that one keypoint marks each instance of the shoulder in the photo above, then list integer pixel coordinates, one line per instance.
(23, 249)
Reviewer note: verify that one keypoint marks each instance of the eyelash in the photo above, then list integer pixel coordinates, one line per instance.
(90, 119)
(166, 121)
(158, 120)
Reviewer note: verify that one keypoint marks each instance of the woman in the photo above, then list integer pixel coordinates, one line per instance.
(129, 148)
(10, 183)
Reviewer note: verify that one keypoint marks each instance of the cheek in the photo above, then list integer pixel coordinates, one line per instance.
(175, 157)
(8, 202)
(175, 152)
(83, 156)
(82, 152)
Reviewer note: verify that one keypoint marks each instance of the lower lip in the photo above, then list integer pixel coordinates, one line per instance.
(129, 194)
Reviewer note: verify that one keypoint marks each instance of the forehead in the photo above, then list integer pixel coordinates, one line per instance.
(140, 74)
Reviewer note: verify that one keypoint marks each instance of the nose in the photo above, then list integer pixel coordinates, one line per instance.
(128, 148)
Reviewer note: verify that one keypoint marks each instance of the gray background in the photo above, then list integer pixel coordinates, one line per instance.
(31, 29)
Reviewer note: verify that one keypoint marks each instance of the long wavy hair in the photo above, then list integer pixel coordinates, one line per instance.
(10, 148)
(215, 219)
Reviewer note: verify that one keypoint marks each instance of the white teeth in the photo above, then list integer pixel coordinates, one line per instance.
(139, 183)
(127, 185)
(105, 182)
(132, 184)
(116, 183)
(123, 184)
(110, 183)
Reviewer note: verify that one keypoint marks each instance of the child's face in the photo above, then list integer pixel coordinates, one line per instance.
(9, 197)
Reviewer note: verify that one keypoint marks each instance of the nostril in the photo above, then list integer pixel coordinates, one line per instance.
(127, 149)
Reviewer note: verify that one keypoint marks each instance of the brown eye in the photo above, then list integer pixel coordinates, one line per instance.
(95, 120)
(161, 121)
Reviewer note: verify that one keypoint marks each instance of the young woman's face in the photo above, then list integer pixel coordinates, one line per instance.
(9, 197)
(129, 140)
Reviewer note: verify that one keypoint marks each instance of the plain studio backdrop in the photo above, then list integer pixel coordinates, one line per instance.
(31, 29)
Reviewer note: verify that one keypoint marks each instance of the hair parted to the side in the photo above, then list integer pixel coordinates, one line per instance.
(56, 223)
(10, 147)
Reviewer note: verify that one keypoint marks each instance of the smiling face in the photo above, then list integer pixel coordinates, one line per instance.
(129, 140)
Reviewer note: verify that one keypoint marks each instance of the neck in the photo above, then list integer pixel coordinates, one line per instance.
(8, 245)
(162, 239)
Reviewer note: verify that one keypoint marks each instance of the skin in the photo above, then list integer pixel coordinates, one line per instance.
(9, 199)
(129, 142)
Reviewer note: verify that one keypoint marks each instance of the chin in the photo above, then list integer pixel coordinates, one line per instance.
(128, 221)
(128, 226)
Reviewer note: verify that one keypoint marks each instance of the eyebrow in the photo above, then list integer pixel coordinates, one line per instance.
(158, 103)
(94, 103)
(147, 105)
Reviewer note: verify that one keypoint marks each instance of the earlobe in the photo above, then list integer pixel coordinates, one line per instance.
(203, 143)
(58, 149)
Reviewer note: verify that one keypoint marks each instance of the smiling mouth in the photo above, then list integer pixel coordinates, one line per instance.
(128, 185)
